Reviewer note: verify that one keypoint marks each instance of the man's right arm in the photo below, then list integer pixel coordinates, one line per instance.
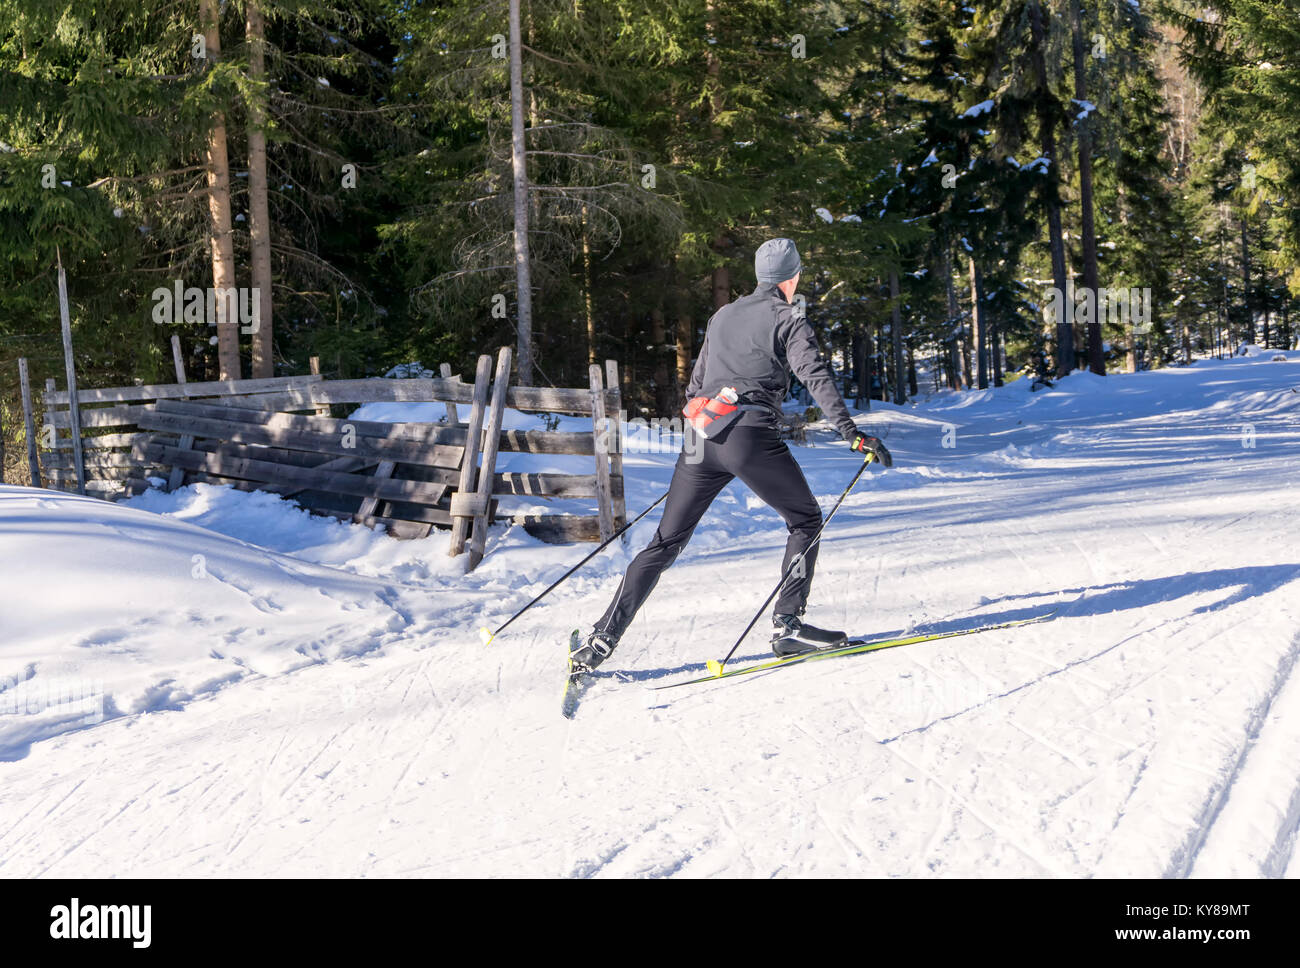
(804, 358)
(696, 385)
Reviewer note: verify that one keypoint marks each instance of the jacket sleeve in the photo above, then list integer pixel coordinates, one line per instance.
(804, 358)
(694, 388)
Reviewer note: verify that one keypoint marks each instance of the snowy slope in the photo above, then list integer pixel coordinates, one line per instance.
(313, 700)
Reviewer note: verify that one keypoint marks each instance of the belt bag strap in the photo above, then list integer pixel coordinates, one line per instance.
(710, 416)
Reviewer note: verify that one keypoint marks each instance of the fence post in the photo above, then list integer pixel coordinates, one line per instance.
(74, 407)
(29, 422)
(486, 476)
(473, 431)
(177, 476)
(313, 364)
(600, 434)
(452, 417)
(616, 441)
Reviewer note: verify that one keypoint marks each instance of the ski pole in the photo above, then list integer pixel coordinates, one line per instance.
(715, 666)
(487, 636)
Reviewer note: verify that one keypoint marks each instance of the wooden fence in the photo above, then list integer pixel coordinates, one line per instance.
(278, 435)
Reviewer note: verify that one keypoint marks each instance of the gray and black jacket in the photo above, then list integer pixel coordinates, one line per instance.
(754, 344)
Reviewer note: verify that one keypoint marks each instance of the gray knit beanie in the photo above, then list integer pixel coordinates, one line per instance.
(776, 261)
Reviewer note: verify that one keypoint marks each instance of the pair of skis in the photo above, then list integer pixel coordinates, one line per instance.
(577, 683)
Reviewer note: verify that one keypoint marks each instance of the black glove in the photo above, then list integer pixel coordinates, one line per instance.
(866, 444)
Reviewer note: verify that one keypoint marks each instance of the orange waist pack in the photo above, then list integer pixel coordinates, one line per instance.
(712, 415)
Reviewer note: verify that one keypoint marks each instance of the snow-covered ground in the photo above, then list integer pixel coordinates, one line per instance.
(215, 683)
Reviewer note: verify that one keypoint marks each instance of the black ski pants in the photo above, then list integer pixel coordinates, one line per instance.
(757, 455)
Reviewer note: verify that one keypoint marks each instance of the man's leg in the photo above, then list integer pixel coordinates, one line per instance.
(694, 486)
(765, 465)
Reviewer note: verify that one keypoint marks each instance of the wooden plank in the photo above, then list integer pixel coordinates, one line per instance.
(428, 435)
(604, 501)
(176, 478)
(347, 465)
(554, 399)
(469, 466)
(468, 505)
(29, 422)
(178, 360)
(367, 509)
(105, 441)
(70, 367)
(560, 528)
(209, 388)
(270, 472)
(339, 445)
(616, 441)
(67, 475)
(370, 390)
(420, 513)
(491, 440)
(452, 418)
(516, 484)
(313, 364)
(280, 456)
(65, 461)
(547, 442)
(49, 412)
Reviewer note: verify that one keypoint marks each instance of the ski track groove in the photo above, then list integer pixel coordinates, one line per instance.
(1183, 860)
(97, 830)
(1050, 868)
(720, 802)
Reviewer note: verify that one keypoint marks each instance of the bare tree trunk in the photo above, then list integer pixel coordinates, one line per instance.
(592, 356)
(958, 379)
(658, 341)
(259, 218)
(896, 338)
(1064, 326)
(220, 236)
(721, 287)
(685, 342)
(995, 348)
(518, 161)
(977, 324)
(1247, 317)
(1096, 356)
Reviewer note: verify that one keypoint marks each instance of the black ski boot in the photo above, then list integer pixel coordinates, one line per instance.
(600, 646)
(792, 636)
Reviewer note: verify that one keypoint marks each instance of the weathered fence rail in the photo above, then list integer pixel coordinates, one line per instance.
(277, 435)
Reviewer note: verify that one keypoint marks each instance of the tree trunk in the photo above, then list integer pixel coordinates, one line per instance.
(1096, 355)
(1047, 124)
(588, 308)
(658, 341)
(1247, 319)
(685, 344)
(259, 218)
(518, 162)
(995, 348)
(721, 287)
(862, 368)
(978, 326)
(959, 379)
(896, 339)
(220, 235)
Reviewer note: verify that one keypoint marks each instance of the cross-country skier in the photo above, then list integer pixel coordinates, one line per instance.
(742, 375)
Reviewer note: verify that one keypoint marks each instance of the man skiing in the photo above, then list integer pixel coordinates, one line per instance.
(740, 379)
